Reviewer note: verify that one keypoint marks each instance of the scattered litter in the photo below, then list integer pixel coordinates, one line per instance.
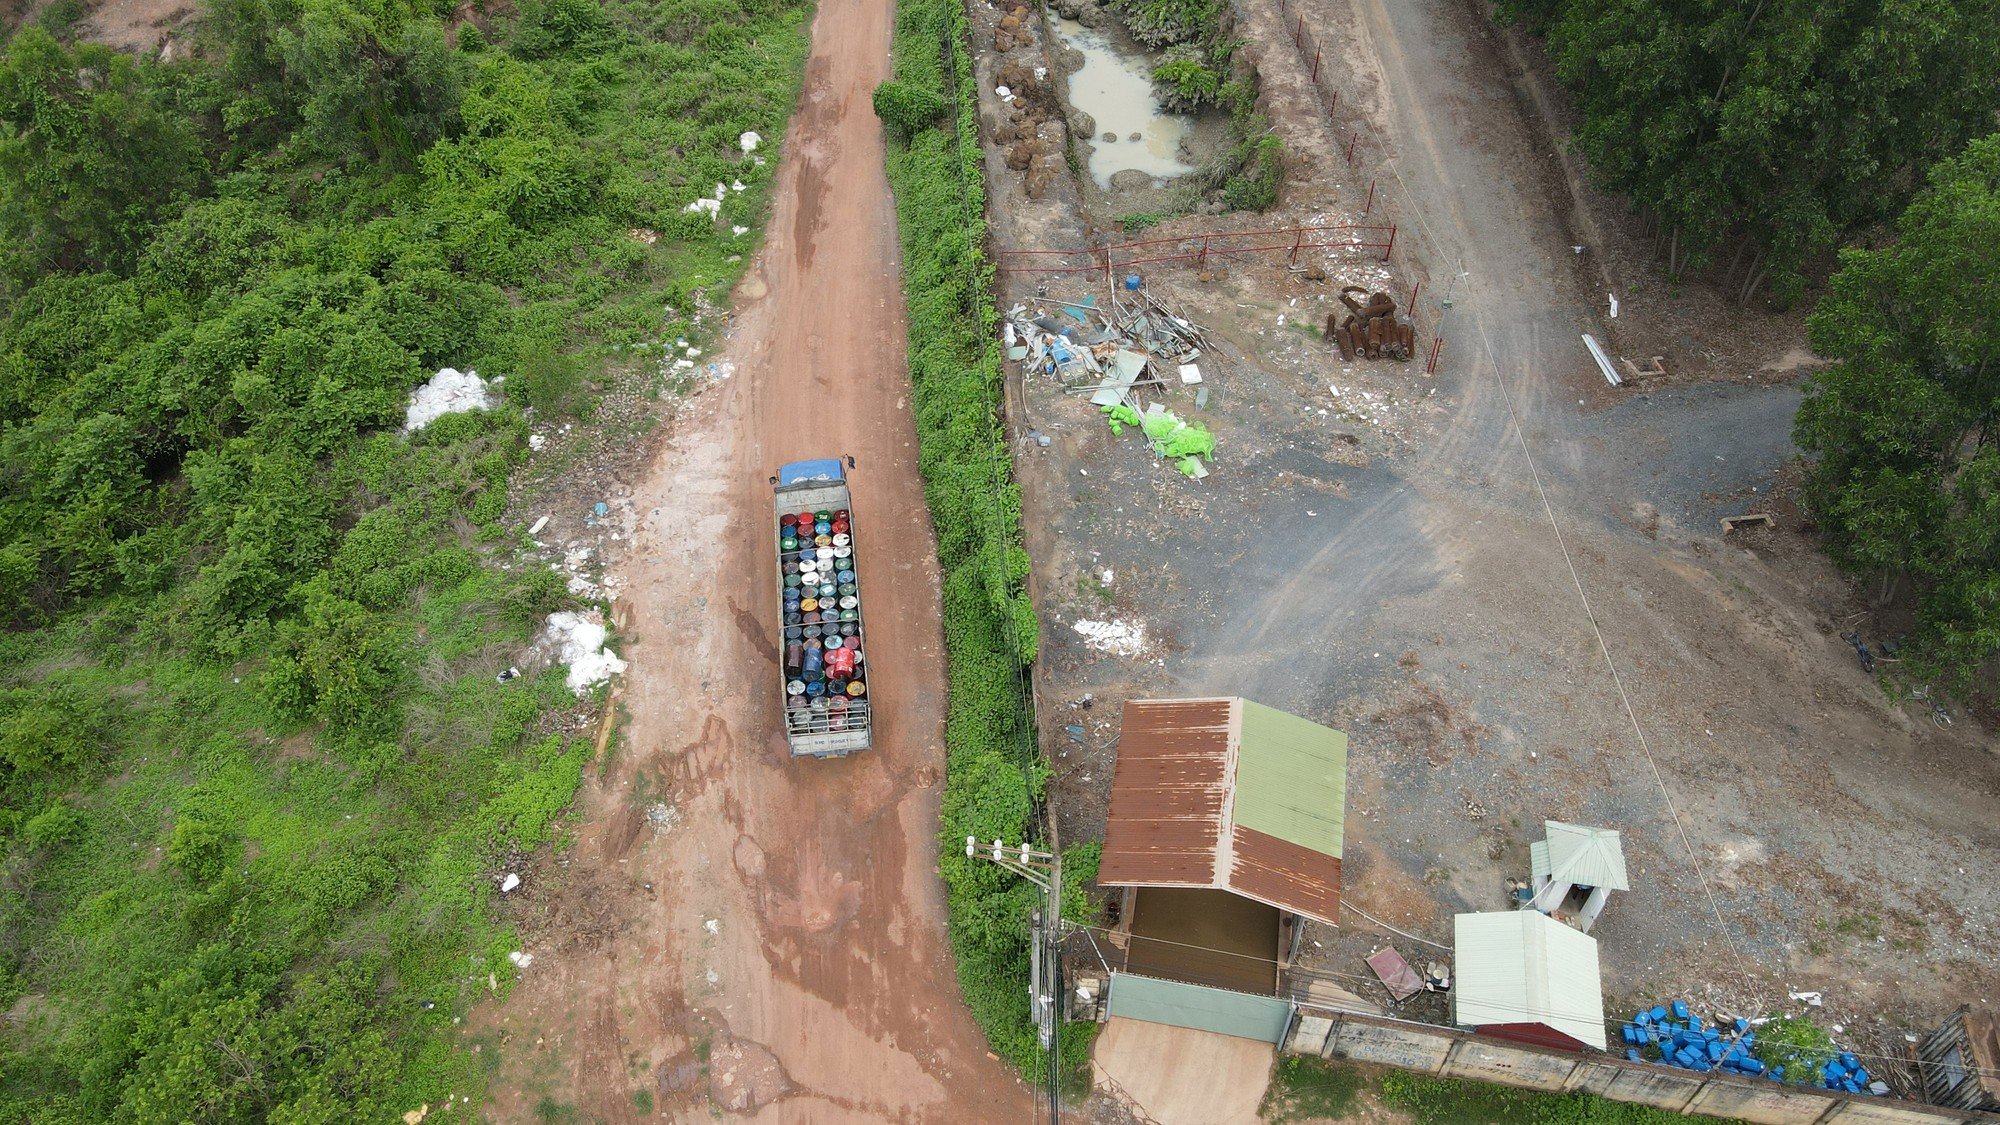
(450, 391)
(713, 926)
(736, 185)
(536, 442)
(416, 1116)
(1813, 999)
(1603, 360)
(521, 960)
(749, 141)
(1190, 374)
(539, 524)
(579, 638)
(739, 231)
(509, 883)
(662, 816)
(507, 675)
(1075, 732)
(1120, 638)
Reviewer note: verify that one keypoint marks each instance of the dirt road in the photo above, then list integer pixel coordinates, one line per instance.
(777, 944)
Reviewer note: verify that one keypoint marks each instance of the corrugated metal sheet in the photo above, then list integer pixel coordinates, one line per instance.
(1228, 794)
(1291, 779)
(1205, 1009)
(1169, 793)
(1520, 966)
(1284, 874)
(1585, 857)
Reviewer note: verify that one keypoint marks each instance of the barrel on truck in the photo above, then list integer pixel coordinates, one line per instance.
(824, 649)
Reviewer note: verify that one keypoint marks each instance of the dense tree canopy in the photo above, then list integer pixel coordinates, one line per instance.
(255, 767)
(1773, 129)
(1906, 423)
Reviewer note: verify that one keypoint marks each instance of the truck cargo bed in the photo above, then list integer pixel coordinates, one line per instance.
(823, 650)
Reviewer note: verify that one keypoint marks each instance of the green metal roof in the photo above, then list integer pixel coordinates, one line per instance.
(1291, 779)
(1521, 966)
(1584, 856)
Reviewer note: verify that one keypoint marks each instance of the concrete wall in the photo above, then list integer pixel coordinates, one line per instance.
(1457, 1054)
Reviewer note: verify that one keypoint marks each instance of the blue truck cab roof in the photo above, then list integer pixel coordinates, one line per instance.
(824, 468)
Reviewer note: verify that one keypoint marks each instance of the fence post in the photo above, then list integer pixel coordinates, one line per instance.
(1370, 205)
(1201, 259)
(1389, 249)
(1414, 290)
(1299, 35)
(1351, 142)
(1437, 349)
(1333, 106)
(1315, 76)
(1298, 239)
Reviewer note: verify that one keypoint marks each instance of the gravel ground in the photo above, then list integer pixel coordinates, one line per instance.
(1406, 572)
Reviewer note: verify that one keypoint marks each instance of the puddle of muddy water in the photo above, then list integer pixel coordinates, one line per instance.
(1116, 90)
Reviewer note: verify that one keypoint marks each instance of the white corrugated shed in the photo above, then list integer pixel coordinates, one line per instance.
(1521, 966)
(1579, 856)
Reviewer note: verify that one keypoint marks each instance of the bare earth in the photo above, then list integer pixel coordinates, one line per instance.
(1176, 1076)
(773, 938)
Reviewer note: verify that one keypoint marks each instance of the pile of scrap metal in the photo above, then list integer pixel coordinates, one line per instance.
(1106, 353)
(1370, 330)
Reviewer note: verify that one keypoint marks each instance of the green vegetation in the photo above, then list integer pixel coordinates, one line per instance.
(256, 774)
(1304, 1088)
(994, 769)
(1799, 1045)
(1773, 132)
(1906, 423)
(1451, 1101)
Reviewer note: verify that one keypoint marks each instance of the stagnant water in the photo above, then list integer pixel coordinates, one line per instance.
(1116, 90)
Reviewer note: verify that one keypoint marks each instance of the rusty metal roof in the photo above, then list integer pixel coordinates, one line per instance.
(1193, 805)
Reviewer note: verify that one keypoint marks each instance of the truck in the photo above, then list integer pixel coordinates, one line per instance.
(823, 670)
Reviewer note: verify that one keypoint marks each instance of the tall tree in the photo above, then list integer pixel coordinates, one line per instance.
(90, 154)
(1776, 127)
(1906, 423)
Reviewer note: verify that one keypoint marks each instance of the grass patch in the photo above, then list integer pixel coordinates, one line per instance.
(1303, 1088)
(1450, 1101)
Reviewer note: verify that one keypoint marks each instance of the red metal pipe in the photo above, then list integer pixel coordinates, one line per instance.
(1437, 349)
(1315, 76)
(1387, 250)
(1299, 35)
(1351, 142)
(1414, 290)
(1370, 206)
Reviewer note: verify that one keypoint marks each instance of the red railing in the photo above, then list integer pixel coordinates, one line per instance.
(1198, 248)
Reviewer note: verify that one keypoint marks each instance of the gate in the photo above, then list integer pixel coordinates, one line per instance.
(1219, 1010)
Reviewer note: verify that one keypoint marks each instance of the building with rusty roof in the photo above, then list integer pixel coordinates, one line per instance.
(1225, 830)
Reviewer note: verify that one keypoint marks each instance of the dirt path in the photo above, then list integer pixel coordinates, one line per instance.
(779, 947)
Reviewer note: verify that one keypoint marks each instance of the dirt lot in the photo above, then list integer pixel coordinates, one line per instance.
(734, 933)
(1451, 569)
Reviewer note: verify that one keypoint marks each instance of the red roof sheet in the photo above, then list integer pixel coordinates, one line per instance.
(1169, 825)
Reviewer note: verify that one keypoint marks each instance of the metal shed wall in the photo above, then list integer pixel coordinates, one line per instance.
(1262, 1018)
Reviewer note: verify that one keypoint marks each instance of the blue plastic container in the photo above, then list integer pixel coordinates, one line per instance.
(1659, 1013)
(1132, 282)
(1680, 1009)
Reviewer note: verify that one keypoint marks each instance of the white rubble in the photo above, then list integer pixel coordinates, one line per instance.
(450, 391)
(579, 640)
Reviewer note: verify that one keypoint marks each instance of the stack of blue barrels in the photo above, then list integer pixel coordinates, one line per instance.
(1682, 1040)
(1846, 1073)
(1674, 1035)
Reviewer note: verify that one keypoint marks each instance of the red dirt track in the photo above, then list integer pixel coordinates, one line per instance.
(781, 953)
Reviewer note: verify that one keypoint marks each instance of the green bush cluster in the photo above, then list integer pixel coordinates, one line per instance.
(993, 768)
(256, 773)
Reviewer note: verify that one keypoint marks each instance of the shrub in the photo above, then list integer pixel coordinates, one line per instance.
(907, 109)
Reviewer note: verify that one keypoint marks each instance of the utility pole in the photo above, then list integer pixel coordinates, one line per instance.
(1045, 989)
